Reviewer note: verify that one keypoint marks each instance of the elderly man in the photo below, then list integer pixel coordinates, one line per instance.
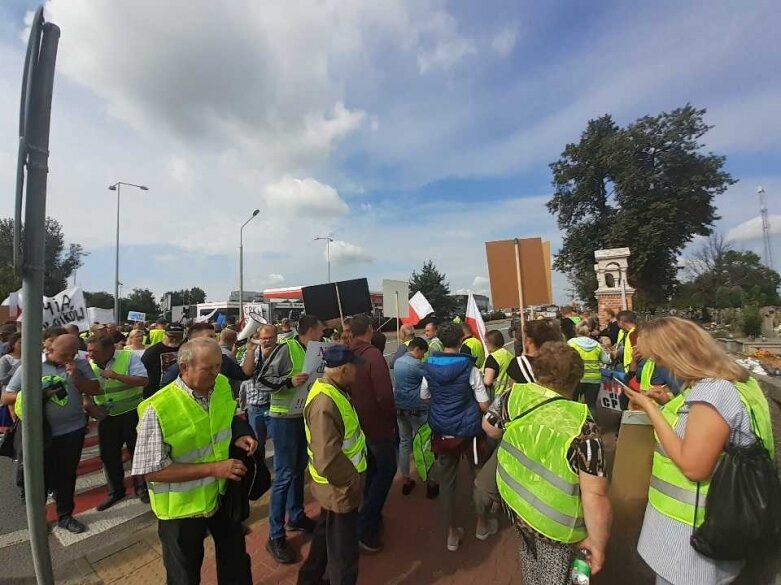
(434, 344)
(64, 378)
(338, 467)
(184, 438)
(407, 334)
(373, 398)
(254, 398)
(228, 339)
(122, 378)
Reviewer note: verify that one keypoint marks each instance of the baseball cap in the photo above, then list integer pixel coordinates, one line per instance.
(338, 355)
(174, 329)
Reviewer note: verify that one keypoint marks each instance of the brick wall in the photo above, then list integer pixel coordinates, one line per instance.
(611, 301)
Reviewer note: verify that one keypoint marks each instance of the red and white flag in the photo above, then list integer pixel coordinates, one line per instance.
(419, 307)
(475, 320)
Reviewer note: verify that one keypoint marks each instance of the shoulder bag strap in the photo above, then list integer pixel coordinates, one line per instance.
(536, 406)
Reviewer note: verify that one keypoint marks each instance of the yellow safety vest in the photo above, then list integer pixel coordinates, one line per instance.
(477, 350)
(353, 441)
(282, 401)
(501, 382)
(623, 338)
(670, 492)
(156, 336)
(533, 473)
(592, 369)
(194, 436)
(118, 397)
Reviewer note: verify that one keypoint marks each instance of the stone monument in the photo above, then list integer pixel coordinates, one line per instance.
(614, 291)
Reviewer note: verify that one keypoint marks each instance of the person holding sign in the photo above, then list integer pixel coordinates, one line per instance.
(283, 376)
(337, 464)
(720, 406)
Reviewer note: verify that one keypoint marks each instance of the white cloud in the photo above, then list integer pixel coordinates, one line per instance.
(275, 279)
(504, 41)
(445, 55)
(752, 229)
(346, 253)
(304, 197)
(480, 282)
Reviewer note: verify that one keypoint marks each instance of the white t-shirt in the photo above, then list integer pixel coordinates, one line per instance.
(475, 381)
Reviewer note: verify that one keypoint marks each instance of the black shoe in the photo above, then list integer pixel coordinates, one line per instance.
(72, 525)
(143, 495)
(370, 543)
(110, 502)
(279, 549)
(306, 524)
(432, 490)
(407, 487)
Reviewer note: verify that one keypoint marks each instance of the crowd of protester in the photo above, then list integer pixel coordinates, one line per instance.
(195, 407)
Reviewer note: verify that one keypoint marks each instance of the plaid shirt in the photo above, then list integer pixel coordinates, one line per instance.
(152, 453)
(252, 393)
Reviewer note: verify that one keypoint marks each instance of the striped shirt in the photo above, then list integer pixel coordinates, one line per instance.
(664, 542)
(252, 393)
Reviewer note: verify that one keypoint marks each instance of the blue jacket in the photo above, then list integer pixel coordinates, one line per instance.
(408, 373)
(453, 409)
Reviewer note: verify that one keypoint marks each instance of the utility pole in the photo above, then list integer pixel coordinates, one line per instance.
(328, 240)
(765, 226)
(241, 264)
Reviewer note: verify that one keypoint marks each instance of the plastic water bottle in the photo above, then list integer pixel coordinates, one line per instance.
(580, 571)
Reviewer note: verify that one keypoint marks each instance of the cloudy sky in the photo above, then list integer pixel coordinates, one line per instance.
(406, 130)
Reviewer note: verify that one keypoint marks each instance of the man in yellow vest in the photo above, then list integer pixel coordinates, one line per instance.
(184, 437)
(472, 346)
(122, 378)
(337, 464)
(495, 368)
(627, 340)
(283, 376)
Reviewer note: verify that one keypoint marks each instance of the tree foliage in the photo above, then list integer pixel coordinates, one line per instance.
(142, 300)
(101, 299)
(434, 286)
(722, 277)
(60, 261)
(648, 187)
(185, 296)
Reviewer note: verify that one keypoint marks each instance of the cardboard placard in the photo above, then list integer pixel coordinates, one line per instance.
(323, 300)
(314, 365)
(136, 316)
(535, 273)
(65, 308)
(610, 395)
(395, 292)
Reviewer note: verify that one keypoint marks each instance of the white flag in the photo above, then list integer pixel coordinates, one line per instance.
(419, 307)
(475, 320)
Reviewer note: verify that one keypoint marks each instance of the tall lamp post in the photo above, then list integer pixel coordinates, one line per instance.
(328, 240)
(241, 264)
(116, 187)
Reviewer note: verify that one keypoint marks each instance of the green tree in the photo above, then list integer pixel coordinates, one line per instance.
(59, 261)
(648, 187)
(434, 286)
(142, 300)
(101, 299)
(191, 296)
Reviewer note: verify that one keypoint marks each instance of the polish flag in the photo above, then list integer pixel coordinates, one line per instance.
(474, 319)
(419, 307)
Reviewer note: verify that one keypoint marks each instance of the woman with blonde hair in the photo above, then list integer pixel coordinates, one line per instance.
(714, 409)
(135, 341)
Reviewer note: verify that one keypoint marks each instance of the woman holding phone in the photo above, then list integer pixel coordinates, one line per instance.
(692, 430)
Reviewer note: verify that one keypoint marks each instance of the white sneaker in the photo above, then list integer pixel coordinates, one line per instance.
(492, 527)
(454, 543)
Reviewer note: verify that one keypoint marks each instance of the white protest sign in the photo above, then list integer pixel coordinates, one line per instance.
(314, 365)
(395, 294)
(136, 316)
(609, 395)
(66, 308)
(95, 315)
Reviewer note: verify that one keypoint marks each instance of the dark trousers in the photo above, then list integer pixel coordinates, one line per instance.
(182, 543)
(380, 471)
(113, 433)
(334, 549)
(60, 462)
(290, 460)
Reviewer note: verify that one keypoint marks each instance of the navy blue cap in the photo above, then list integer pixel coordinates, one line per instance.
(338, 355)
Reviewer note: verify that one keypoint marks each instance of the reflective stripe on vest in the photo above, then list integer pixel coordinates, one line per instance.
(477, 350)
(282, 401)
(533, 473)
(670, 492)
(194, 436)
(502, 381)
(647, 375)
(117, 396)
(353, 442)
(592, 370)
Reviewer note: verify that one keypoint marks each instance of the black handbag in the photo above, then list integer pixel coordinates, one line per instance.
(743, 509)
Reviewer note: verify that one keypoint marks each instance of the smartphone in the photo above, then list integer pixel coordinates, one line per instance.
(620, 383)
(62, 392)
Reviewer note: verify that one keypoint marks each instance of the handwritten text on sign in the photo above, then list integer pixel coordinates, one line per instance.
(65, 308)
(609, 395)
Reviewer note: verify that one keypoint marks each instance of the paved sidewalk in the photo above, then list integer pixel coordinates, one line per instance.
(415, 550)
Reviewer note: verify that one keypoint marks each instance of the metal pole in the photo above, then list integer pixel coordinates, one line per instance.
(116, 263)
(241, 274)
(328, 256)
(520, 287)
(37, 142)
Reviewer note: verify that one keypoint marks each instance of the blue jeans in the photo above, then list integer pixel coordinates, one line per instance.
(259, 420)
(290, 460)
(381, 468)
(408, 426)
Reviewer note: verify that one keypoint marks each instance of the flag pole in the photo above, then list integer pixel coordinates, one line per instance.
(520, 287)
(398, 320)
(339, 302)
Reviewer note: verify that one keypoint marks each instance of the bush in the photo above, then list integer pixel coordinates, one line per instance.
(752, 322)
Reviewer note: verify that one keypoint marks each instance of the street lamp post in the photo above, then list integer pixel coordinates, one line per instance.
(241, 264)
(116, 187)
(328, 240)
